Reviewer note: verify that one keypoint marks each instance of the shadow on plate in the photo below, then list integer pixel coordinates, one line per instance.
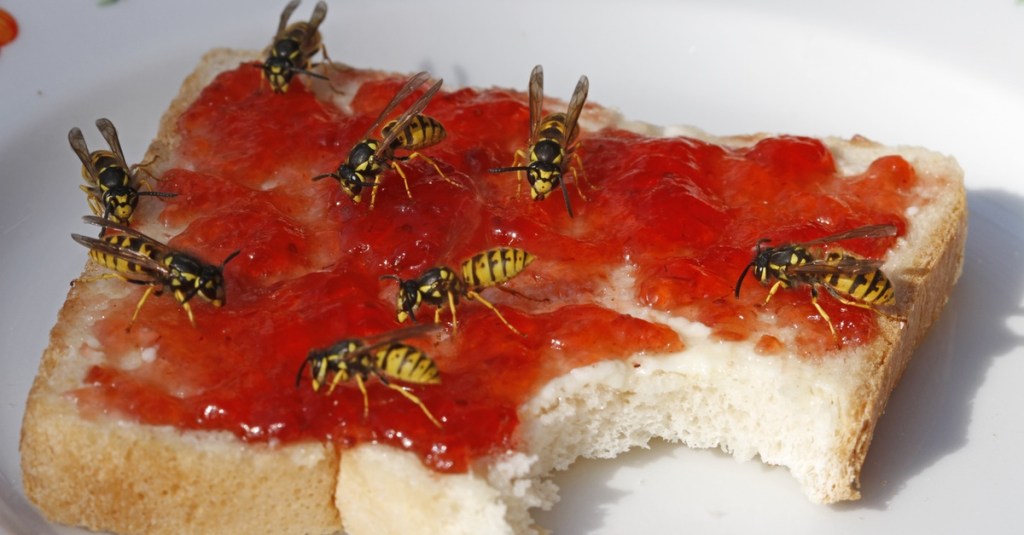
(930, 411)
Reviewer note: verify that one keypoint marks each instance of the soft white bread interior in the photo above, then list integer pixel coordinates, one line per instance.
(814, 416)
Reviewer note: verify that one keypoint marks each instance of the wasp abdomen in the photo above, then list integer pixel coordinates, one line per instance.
(120, 264)
(869, 287)
(408, 364)
(495, 266)
(421, 131)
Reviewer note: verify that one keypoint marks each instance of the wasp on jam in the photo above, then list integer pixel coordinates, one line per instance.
(442, 286)
(552, 142)
(385, 359)
(851, 280)
(411, 131)
(136, 258)
(112, 187)
(293, 47)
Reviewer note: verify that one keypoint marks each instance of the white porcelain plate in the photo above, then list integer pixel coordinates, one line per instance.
(947, 75)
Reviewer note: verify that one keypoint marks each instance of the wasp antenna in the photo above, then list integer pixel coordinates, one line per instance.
(390, 276)
(230, 256)
(331, 175)
(308, 73)
(743, 276)
(165, 194)
(298, 376)
(507, 169)
(565, 193)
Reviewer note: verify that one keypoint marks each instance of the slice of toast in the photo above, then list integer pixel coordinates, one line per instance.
(814, 415)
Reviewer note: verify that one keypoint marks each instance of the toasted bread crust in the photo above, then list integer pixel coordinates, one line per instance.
(105, 473)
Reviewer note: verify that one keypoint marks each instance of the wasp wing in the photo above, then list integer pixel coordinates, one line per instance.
(285, 15)
(77, 141)
(161, 249)
(846, 265)
(319, 13)
(153, 270)
(110, 134)
(536, 96)
(378, 341)
(572, 115)
(867, 231)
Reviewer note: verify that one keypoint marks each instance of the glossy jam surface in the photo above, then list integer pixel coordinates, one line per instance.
(681, 215)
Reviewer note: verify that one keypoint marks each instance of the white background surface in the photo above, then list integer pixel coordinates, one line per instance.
(943, 74)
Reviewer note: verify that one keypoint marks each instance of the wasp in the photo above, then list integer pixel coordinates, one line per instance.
(389, 358)
(293, 47)
(411, 131)
(136, 258)
(552, 142)
(112, 186)
(851, 280)
(442, 286)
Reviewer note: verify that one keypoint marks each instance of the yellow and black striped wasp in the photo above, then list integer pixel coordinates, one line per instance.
(112, 185)
(441, 286)
(851, 280)
(387, 358)
(293, 47)
(552, 142)
(411, 131)
(136, 258)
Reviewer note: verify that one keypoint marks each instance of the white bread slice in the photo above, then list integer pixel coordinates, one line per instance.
(814, 416)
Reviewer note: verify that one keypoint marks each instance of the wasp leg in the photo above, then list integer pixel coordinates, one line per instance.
(94, 201)
(473, 295)
(398, 169)
(824, 316)
(373, 191)
(517, 293)
(520, 156)
(451, 305)
(138, 306)
(366, 398)
(436, 168)
(577, 174)
(328, 63)
(143, 167)
(775, 288)
(188, 310)
(419, 403)
(108, 276)
(334, 383)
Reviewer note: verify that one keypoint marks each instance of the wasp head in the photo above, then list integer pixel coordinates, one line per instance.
(760, 262)
(409, 298)
(280, 66)
(544, 177)
(325, 361)
(319, 361)
(210, 282)
(119, 203)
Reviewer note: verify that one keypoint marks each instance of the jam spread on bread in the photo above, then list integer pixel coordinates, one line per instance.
(676, 216)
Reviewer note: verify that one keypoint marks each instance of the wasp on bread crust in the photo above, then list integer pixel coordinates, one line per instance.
(851, 280)
(136, 258)
(112, 186)
(411, 131)
(293, 47)
(441, 286)
(552, 142)
(386, 359)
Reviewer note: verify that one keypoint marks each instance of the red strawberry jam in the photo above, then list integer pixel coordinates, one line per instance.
(679, 215)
